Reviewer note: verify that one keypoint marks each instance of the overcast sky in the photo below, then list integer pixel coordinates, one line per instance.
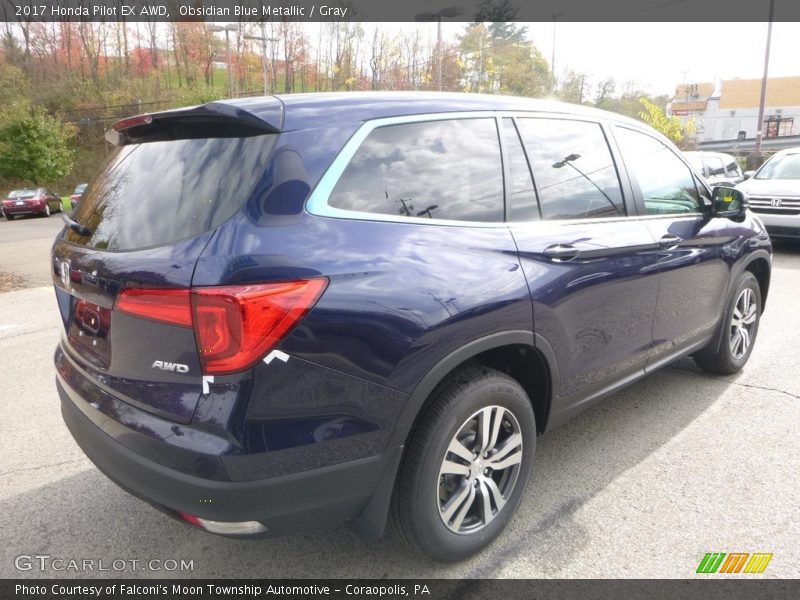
(661, 55)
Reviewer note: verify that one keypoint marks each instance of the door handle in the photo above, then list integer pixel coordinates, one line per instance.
(561, 252)
(669, 241)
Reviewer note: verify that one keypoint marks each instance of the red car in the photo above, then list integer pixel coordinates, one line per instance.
(77, 194)
(37, 201)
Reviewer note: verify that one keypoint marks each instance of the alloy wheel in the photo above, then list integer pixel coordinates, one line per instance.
(479, 470)
(743, 323)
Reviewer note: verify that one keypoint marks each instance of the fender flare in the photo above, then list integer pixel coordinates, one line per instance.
(371, 522)
(736, 270)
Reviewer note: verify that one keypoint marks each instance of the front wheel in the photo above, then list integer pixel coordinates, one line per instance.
(740, 330)
(466, 466)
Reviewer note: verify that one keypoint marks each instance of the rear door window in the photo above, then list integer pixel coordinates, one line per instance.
(160, 192)
(573, 169)
(716, 168)
(445, 169)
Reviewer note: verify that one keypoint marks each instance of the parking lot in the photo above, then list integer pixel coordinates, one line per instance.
(642, 485)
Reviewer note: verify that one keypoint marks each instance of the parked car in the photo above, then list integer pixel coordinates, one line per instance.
(282, 314)
(716, 167)
(37, 201)
(77, 194)
(774, 192)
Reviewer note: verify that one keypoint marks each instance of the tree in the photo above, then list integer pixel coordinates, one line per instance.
(656, 117)
(34, 146)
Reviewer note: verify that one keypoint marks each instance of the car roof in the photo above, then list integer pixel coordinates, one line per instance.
(792, 150)
(305, 111)
(708, 153)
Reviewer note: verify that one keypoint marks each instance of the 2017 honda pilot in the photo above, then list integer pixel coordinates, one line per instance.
(287, 312)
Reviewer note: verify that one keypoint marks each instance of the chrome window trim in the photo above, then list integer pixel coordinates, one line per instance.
(317, 203)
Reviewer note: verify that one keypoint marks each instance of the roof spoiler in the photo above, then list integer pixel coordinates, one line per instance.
(212, 120)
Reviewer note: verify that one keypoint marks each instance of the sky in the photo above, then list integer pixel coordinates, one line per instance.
(658, 56)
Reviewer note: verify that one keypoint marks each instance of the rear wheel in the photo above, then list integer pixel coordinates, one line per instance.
(46, 210)
(740, 330)
(466, 466)
(9, 217)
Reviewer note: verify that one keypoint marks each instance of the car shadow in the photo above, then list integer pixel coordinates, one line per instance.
(86, 516)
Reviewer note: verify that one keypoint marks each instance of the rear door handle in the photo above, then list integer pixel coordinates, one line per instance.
(561, 252)
(669, 241)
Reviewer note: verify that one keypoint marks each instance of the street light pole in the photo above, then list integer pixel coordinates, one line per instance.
(439, 47)
(449, 12)
(228, 53)
(760, 130)
(227, 29)
(264, 40)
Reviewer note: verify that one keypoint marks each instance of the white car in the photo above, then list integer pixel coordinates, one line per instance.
(774, 193)
(717, 168)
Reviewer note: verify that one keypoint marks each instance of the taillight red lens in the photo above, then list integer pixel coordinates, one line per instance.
(166, 306)
(235, 326)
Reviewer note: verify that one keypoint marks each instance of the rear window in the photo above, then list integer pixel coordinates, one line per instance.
(160, 192)
(80, 189)
(22, 194)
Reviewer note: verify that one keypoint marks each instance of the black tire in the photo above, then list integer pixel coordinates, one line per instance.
(46, 210)
(10, 217)
(424, 496)
(733, 353)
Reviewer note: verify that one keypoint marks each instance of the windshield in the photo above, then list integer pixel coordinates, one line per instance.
(160, 192)
(781, 167)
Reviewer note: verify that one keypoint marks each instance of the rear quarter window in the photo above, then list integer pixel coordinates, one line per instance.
(160, 192)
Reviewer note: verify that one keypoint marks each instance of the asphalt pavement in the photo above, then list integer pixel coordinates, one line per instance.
(641, 485)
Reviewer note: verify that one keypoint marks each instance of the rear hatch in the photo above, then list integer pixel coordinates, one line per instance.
(141, 225)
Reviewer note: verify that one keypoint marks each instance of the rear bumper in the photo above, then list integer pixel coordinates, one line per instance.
(24, 210)
(284, 504)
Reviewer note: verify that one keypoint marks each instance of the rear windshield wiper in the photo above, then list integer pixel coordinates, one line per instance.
(75, 226)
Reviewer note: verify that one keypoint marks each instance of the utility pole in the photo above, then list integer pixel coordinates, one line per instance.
(760, 130)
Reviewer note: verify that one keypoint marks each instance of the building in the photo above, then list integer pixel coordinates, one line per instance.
(726, 116)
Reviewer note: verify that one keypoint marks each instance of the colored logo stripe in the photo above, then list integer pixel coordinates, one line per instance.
(758, 562)
(735, 561)
(710, 562)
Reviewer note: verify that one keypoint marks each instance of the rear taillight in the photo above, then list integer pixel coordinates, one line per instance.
(234, 326)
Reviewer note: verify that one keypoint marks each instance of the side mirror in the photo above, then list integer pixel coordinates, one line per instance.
(749, 174)
(728, 202)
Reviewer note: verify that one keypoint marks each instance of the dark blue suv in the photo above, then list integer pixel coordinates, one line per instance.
(287, 312)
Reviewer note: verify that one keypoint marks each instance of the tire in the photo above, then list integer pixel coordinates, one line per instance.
(742, 318)
(440, 506)
(10, 217)
(46, 210)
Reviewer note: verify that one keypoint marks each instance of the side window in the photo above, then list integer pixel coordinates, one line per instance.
(732, 169)
(666, 182)
(715, 166)
(448, 169)
(522, 197)
(573, 169)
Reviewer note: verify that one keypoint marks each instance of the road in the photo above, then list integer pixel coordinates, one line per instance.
(641, 485)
